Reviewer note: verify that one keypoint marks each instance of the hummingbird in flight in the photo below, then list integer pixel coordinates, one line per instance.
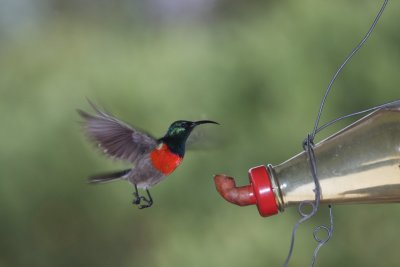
(153, 159)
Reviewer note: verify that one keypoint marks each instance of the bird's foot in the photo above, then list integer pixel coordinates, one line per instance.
(140, 199)
(148, 202)
(136, 200)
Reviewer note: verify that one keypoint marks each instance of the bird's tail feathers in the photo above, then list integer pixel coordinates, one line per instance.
(107, 177)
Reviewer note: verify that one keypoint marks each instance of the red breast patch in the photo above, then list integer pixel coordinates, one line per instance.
(164, 160)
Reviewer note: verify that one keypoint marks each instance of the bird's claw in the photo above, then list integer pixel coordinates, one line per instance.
(145, 206)
(148, 203)
(138, 200)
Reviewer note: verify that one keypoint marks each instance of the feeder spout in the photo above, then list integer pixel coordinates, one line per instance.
(259, 192)
(226, 187)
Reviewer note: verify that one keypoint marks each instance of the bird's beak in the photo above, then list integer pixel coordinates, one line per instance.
(195, 123)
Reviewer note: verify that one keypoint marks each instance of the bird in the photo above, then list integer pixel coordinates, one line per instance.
(153, 159)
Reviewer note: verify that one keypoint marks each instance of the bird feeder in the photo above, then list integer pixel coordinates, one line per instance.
(358, 164)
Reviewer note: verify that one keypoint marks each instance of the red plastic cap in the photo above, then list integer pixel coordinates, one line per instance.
(262, 188)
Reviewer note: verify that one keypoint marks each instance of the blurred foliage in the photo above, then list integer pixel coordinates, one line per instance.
(259, 70)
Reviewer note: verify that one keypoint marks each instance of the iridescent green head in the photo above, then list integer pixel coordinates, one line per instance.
(178, 132)
(182, 129)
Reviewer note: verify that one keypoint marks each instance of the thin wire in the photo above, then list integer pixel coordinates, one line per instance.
(328, 89)
(355, 113)
(308, 146)
(304, 218)
(322, 242)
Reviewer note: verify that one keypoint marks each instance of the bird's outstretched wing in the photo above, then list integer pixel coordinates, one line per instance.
(116, 138)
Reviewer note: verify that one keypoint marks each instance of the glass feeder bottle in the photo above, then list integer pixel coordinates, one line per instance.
(358, 164)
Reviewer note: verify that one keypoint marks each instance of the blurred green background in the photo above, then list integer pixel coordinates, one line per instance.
(257, 67)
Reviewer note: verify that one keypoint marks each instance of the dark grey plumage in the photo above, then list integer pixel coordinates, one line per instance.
(120, 140)
(116, 138)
